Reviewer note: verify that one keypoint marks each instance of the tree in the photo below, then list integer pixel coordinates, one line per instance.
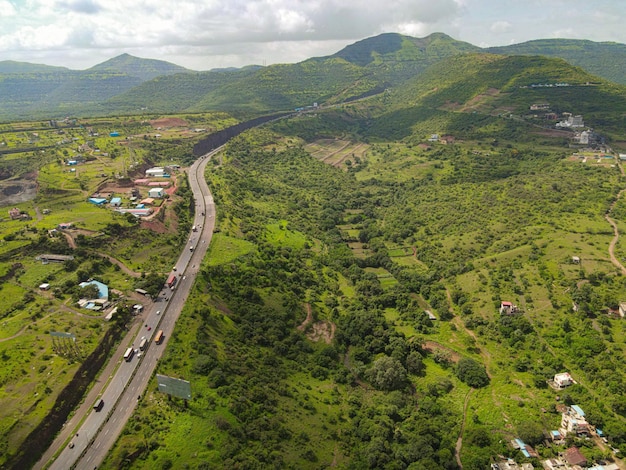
(387, 373)
(472, 373)
(530, 432)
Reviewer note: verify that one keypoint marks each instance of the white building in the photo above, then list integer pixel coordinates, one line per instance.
(156, 192)
(156, 172)
(563, 379)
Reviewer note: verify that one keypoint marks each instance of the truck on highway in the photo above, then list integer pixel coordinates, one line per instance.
(128, 355)
(171, 281)
(98, 405)
(143, 344)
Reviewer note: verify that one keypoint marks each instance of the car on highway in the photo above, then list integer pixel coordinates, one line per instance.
(158, 312)
(71, 446)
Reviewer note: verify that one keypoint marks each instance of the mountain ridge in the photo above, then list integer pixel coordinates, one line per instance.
(129, 84)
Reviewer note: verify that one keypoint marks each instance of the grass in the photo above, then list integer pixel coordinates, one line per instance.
(224, 249)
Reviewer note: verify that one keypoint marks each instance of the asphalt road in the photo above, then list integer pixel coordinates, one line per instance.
(126, 381)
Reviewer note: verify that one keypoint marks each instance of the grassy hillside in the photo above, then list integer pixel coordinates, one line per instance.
(144, 69)
(604, 59)
(494, 85)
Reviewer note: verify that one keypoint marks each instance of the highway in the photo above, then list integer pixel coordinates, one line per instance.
(123, 383)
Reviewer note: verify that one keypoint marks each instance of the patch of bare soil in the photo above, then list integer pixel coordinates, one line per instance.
(155, 225)
(318, 331)
(16, 191)
(321, 331)
(169, 122)
(433, 346)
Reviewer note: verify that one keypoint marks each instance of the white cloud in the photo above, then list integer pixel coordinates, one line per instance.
(79, 33)
(500, 27)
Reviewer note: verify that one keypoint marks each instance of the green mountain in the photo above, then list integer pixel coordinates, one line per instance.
(394, 57)
(495, 86)
(604, 59)
(11, 66)
(144, 69)
(127, 84)
(30, 90)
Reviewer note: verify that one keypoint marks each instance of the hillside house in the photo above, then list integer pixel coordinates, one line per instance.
(136, 212)
(573, 422)
(156, 192)
(622, 309)
(572, 122)
(15, 213)
(562, 380)
(65, 225)
(573, 456)
(576, 259)
(50, 258)
(507, 308)
(155, 172)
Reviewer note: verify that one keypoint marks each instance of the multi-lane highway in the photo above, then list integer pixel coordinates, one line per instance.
(124, 385)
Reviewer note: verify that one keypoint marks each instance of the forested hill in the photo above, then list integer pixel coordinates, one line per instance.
(144, 69)
(394, 57)
(604, 59)
(456, 91)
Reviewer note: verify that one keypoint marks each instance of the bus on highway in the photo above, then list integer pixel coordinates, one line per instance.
(128, 355)
(143, 344)
(159, 337)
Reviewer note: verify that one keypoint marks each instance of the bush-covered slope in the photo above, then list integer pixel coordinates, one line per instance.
(604, 59)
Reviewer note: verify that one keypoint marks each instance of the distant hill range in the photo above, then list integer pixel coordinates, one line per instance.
(127, 84)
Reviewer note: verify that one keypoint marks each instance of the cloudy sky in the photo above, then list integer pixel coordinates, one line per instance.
(204, 34)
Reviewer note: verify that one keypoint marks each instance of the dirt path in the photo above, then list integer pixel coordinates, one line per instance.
(335, 152)
(614, 259)
(122, 266)
(459, 441)
(345, 157)
(308, 319)
(70, 239)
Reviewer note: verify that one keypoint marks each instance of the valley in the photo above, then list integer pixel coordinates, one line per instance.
(429, 278)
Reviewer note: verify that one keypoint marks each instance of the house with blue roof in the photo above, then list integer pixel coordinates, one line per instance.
(115, 202)
(98, 201)
(103, 289)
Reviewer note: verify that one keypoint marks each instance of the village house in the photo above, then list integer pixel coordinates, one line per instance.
(15, 213)
(156, 192)
(507, 308)
(573, 456)
(562, 380)
(155, 172)
(115, 202)
(573, 422)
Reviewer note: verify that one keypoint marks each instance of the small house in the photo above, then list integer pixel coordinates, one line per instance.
(116, 202)
(563, 380)
(156, 192)
(507, 308)
(98, 201)
(575, 259)
(155, 172)
(15, 213)
(622, 309)
(44, 286)
(114, 134)
(573, 456)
